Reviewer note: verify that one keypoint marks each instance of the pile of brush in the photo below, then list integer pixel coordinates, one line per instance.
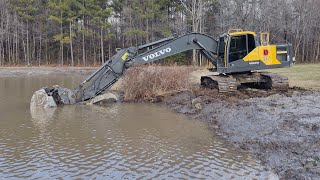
(148, 83)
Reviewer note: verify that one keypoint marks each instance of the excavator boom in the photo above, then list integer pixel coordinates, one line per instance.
(202, 42)
(103, 78)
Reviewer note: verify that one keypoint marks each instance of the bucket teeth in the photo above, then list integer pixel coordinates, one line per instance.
(61, 95)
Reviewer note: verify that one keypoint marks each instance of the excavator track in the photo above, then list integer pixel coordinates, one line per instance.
(221, 82)
(230, 83)
(274, 81)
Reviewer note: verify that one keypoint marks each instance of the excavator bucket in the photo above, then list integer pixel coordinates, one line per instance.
(52, 97)
(94, 85)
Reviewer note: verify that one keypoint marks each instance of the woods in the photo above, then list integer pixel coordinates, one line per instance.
(87, 32)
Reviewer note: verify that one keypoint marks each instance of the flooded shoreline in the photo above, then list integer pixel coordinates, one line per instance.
(281, 129)
(122, 140)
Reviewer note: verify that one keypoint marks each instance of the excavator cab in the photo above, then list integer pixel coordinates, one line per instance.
(241, 51)
(240, 54)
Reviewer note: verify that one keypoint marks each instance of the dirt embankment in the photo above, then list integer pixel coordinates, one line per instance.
(281, 129)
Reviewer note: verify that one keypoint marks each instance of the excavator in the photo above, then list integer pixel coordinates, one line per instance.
(237, 56)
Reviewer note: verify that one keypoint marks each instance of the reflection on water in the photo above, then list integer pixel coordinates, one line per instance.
(118, 141)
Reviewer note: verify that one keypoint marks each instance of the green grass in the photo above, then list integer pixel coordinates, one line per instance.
(302, 75)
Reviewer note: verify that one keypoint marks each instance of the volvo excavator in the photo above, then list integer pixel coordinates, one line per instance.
(236, 57)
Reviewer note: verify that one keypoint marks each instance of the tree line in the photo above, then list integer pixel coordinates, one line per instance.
(87, 32)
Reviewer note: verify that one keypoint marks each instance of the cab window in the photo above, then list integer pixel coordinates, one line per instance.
(240, 46)
(251, 43)
(221, 47)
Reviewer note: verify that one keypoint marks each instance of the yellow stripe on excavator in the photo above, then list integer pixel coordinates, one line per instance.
(282, 52)
(259, 54)
(242, 33)
(125, 55)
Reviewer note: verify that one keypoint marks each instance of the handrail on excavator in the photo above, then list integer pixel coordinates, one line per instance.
(235, 30)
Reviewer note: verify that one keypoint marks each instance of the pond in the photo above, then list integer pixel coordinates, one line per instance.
(122, 140)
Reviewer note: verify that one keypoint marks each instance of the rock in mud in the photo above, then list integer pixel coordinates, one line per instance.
(66, 95)
(40, 99)
(196, 102)
(106, 98)
(42, 108)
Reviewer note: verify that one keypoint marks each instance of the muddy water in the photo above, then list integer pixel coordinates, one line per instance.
(118, 141)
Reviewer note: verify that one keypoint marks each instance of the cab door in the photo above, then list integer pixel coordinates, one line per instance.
(239, 47)
(222, 47)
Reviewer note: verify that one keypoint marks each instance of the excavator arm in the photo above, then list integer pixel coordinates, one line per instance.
(109, 73)
(206, 44)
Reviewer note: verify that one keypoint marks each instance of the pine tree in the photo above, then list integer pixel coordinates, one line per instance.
(65, 12)
(99, 11)
(56, 14)
(26, 10)
(73, 7)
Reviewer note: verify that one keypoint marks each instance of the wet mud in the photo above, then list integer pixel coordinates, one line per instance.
(281, 128)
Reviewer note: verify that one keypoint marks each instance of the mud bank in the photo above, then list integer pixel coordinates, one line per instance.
(281, 129)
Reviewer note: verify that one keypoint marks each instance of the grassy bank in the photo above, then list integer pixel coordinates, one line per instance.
(302, 75)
